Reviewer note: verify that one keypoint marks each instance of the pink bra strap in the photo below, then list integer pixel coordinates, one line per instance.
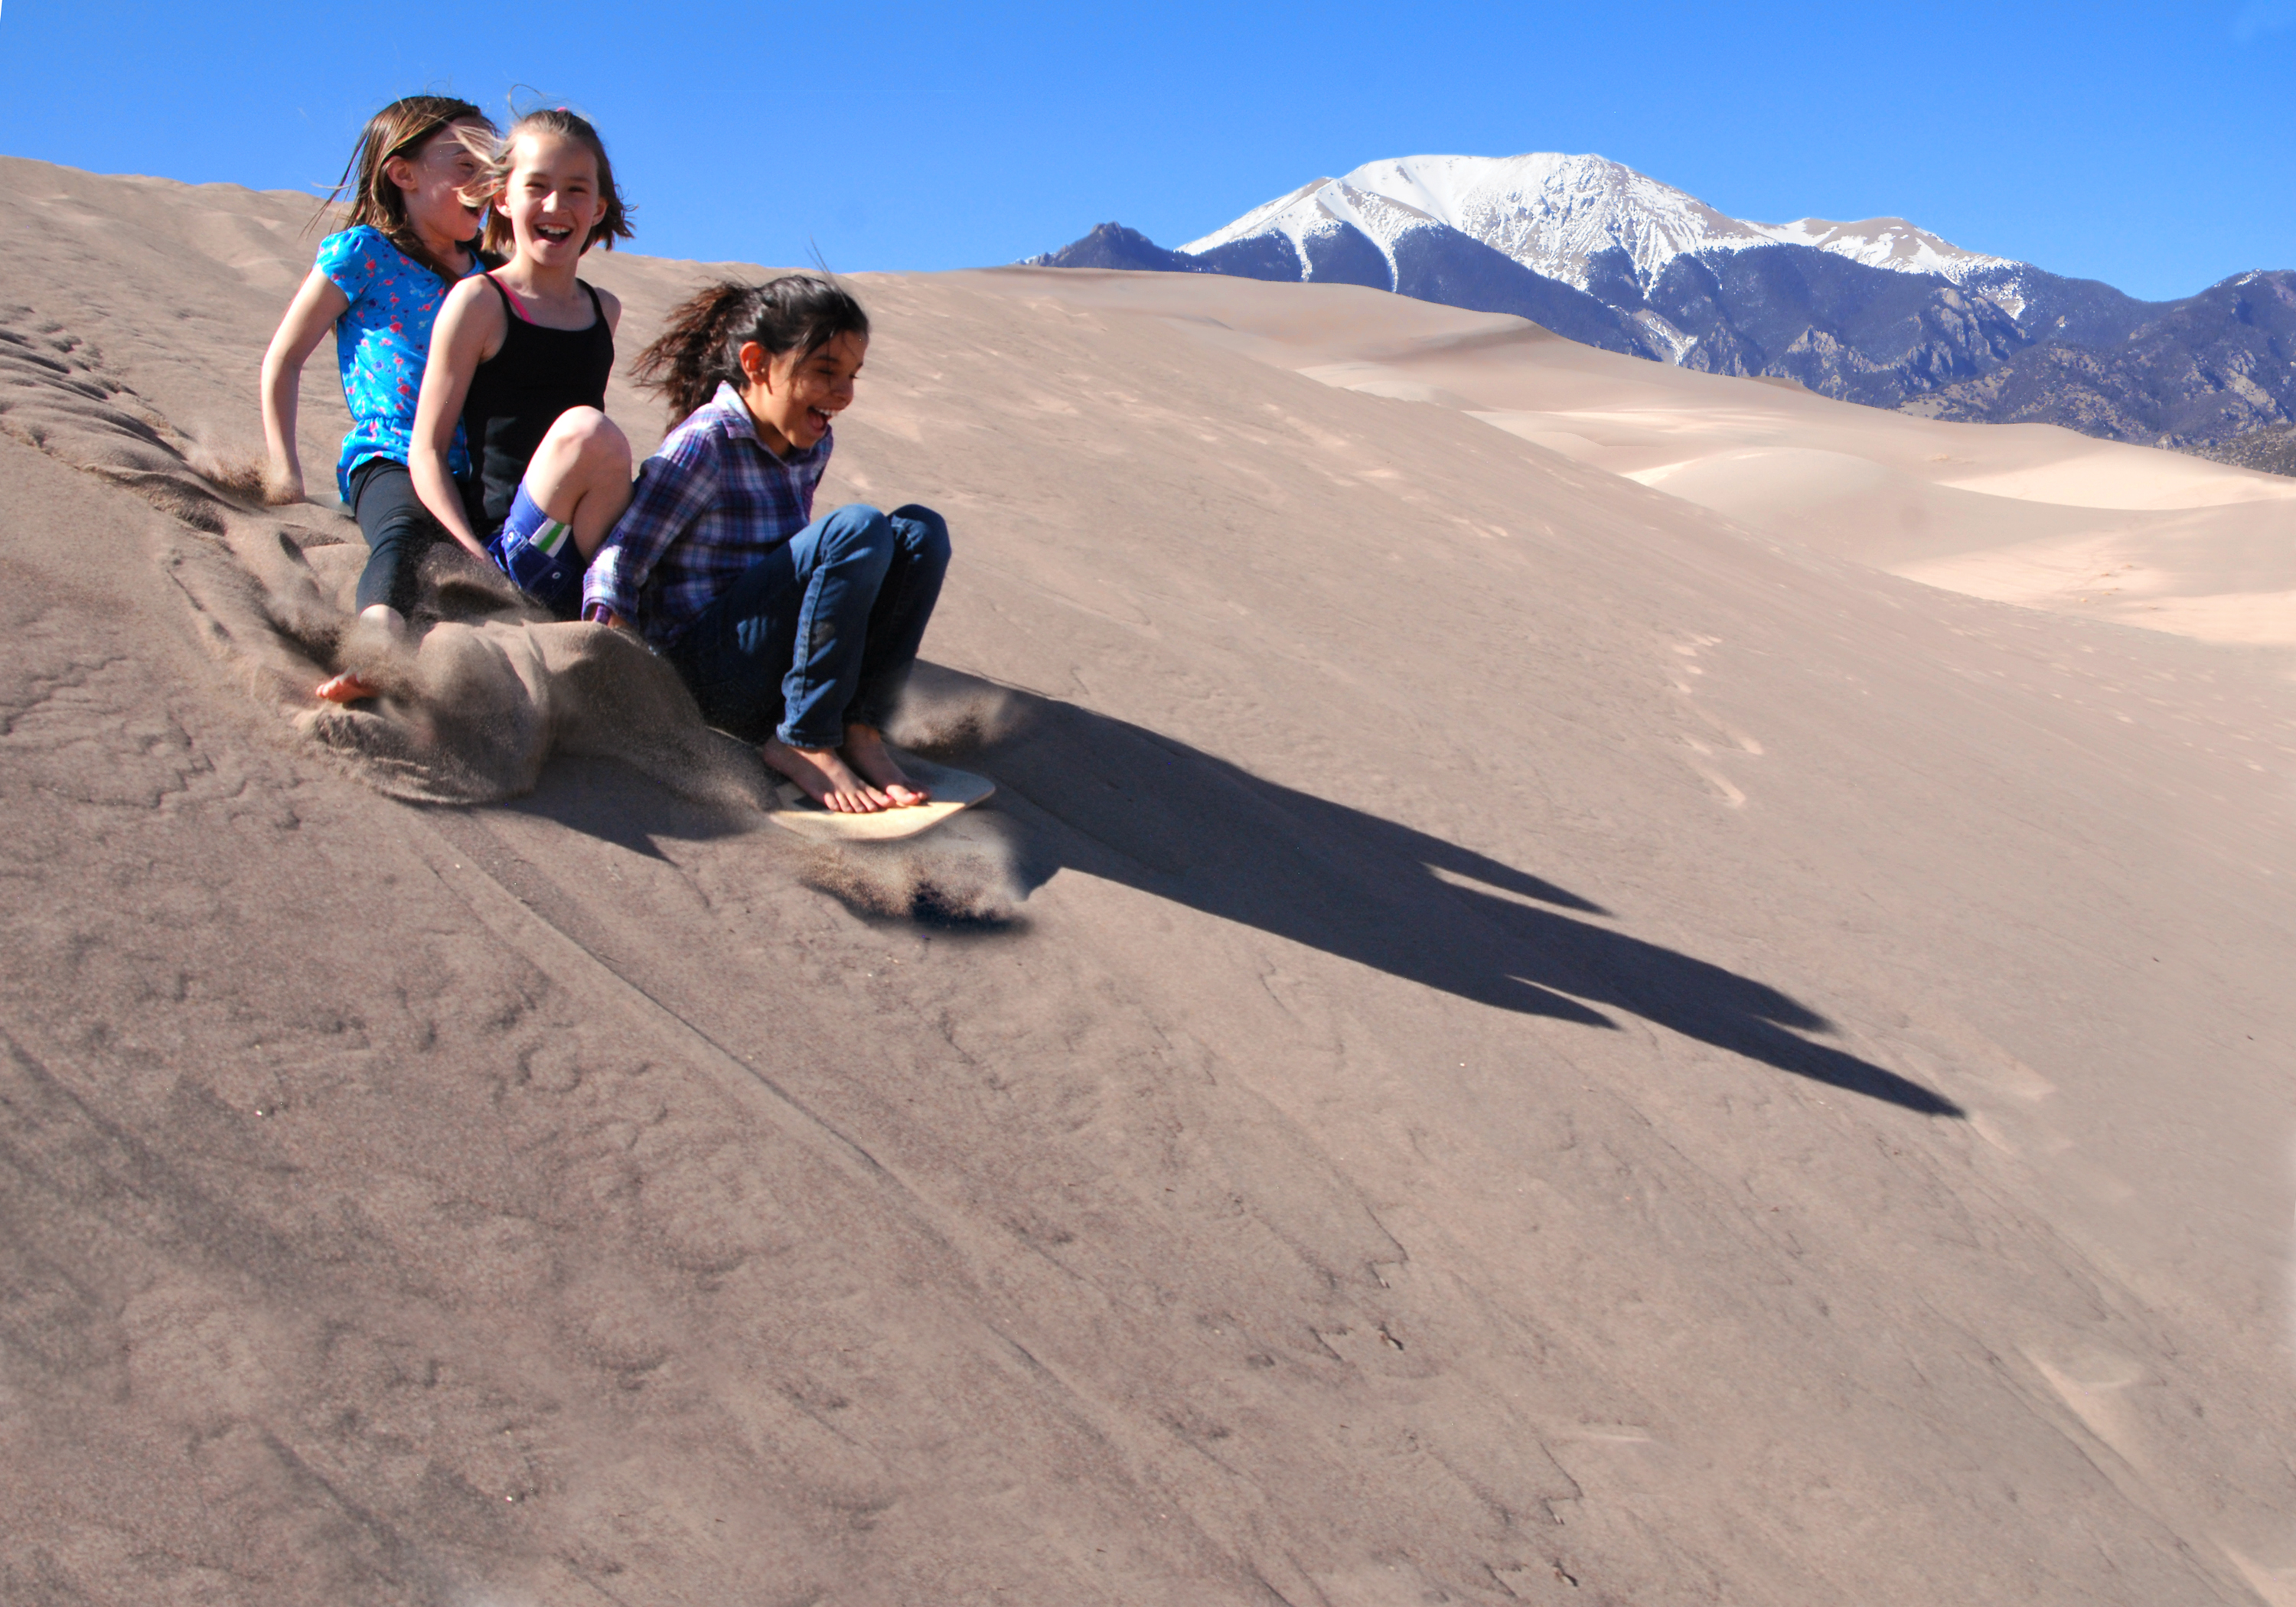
(509, 300)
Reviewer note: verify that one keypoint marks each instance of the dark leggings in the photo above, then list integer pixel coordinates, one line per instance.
(399, 528)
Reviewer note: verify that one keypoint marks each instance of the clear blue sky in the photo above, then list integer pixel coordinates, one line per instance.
(2147, 145)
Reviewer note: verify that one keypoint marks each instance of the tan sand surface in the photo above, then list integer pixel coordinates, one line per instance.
(1507, 1035)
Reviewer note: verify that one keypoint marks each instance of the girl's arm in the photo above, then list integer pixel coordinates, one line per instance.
(677, 486)
(612, 305)
(309, 315)
(469, 330)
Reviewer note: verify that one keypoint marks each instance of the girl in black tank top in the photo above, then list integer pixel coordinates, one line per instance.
(535, 376)
(521, 357)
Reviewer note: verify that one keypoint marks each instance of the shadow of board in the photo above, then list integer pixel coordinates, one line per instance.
(1130, 806)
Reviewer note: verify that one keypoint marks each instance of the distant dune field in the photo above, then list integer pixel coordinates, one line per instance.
(1586, 983)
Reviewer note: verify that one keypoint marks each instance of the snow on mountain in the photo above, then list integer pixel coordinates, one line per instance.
(1320, 209)
(1890, 242)
(1553, 213)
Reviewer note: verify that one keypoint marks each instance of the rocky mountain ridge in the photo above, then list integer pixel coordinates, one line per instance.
(1555, 214)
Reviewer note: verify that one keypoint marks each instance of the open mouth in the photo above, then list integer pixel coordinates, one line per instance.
(553, 233)
(818, 419)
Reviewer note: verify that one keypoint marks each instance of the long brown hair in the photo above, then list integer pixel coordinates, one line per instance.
(401, 128)
(797, 313)
(612, 225)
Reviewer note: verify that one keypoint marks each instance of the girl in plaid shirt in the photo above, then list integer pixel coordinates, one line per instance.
(793, 632)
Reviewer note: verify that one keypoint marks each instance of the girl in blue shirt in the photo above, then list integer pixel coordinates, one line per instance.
(379, 284)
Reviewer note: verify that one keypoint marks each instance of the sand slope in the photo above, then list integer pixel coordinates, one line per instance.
(1505, 1037)
(2025, 513)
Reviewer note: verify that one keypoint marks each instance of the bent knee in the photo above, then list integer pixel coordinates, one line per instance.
(590, 435)
(857, 528)
(922, 531)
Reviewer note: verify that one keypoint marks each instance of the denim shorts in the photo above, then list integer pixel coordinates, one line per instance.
(539, 553)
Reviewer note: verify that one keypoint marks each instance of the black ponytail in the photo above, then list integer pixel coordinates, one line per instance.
(798, 313)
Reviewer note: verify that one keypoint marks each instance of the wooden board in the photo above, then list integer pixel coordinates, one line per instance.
(952, 791)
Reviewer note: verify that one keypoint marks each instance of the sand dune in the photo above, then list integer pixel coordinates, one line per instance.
(1512, 1033)
(2030, 514)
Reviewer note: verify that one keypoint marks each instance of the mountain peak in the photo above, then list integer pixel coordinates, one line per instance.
(1554, 212)
(1551, 211)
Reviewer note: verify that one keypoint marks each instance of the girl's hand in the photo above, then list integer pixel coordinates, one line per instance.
(313, 312)
(282, 482)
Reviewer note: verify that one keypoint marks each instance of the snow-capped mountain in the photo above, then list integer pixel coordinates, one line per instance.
(1877, 311)
(1556, 215)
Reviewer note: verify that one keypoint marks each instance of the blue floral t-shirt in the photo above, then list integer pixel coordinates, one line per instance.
(382, 342)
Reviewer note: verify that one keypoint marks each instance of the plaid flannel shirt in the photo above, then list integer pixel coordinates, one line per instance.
(710, 501)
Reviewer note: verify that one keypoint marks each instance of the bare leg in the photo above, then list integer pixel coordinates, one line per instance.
(824, 776)
(349, 687)
(581, 476)
(865, 749)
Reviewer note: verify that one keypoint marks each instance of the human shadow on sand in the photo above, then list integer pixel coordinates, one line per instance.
(1110, 799)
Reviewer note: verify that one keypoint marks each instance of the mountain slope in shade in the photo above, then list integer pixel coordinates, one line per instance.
(2205, 372)
(1350, 237)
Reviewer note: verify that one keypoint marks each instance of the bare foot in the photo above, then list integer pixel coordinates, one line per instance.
(824, 777)
(351, 686)
(348, 688)
(865, 749)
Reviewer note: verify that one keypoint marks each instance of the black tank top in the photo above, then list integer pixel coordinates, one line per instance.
(517, 394)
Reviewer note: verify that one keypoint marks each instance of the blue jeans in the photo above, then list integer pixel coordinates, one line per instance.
(820, 632)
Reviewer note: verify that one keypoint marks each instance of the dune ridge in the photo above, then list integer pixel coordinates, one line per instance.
(1507, 1036)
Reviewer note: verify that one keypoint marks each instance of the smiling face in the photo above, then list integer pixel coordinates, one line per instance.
(436, 184)
(792, 397)
(551, 198)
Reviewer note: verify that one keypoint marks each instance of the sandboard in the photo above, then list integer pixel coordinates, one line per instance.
(952, 791)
